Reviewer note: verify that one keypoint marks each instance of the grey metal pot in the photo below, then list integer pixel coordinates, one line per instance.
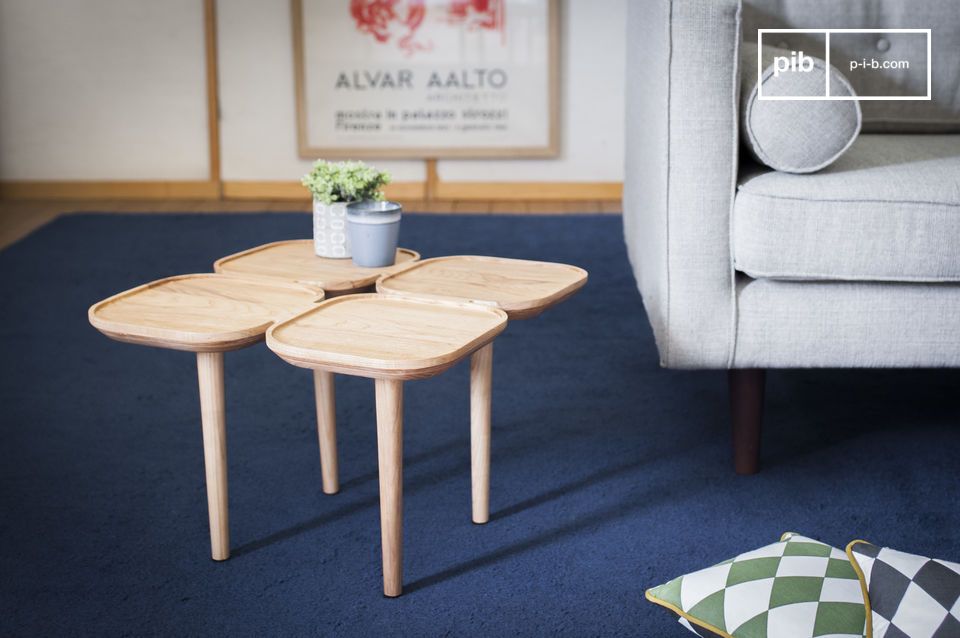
(374, 230)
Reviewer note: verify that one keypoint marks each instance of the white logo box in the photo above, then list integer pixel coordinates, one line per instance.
(826, 95)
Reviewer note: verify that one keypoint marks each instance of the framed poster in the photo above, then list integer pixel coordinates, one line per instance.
(426, 78)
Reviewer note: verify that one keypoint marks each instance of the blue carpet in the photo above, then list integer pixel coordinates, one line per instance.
(609, 474)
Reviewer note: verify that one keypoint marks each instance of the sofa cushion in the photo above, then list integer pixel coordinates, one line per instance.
(888, 210)
(906, 594)
(796, 588)
(794, 136)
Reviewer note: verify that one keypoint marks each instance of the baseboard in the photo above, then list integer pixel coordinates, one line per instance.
(295, 190)
(264, 190)
(193, 189)
(291, 190)
(458, 191)
(529, 191)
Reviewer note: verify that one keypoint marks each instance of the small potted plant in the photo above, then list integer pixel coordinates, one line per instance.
(333, 186)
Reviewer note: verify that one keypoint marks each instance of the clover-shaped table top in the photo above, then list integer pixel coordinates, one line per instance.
(520, 287)
(382, 337)
(199, 313)
(294, 260)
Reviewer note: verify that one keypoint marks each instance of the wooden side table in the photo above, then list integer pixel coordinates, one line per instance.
(391, 340)
(294, 261)
(208, 314)
(521, 288)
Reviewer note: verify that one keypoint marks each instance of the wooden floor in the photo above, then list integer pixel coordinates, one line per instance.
(19, 218)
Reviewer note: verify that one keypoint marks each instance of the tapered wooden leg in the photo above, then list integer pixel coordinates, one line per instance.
(213, 419)
(327, 429)
(390, 454)
(746, 409)
(481, 376)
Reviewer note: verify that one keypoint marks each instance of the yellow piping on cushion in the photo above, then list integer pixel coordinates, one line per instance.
(863, 583)
(683, 614)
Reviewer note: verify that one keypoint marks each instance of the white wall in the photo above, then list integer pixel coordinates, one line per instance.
(258, 127)
(115, 90)
(102, 90)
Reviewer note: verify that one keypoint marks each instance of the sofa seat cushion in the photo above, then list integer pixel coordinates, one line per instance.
(888, 210)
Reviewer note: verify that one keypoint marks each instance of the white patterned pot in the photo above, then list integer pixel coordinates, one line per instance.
(330, 230)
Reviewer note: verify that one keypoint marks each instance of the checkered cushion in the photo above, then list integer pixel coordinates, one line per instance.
(797, 588)
(909, 596)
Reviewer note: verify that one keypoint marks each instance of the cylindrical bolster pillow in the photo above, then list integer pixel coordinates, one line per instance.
(795, 136)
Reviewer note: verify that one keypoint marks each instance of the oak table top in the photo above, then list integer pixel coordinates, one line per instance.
(294, 260)
(199, 313)
(375, 336)
(521, 288)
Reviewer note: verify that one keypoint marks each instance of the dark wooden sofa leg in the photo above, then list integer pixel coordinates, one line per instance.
(746, 410)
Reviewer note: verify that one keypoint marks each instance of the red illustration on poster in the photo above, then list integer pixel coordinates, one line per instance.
(398, 20)
(478, 14)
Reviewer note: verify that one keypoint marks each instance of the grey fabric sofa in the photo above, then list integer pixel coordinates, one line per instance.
(857, 265)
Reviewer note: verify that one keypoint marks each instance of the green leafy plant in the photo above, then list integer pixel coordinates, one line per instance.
(332, 182)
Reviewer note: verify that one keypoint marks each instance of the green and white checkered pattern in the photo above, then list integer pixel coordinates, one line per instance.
(797, 588)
